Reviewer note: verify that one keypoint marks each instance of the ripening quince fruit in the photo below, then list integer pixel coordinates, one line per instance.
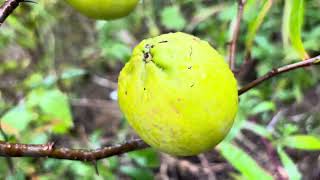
(104, 9)
(178, 94)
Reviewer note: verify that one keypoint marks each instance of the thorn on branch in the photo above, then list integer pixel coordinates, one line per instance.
(95, 165)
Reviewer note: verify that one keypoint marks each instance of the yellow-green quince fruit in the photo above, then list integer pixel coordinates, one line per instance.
(104, 9)
(178, 94)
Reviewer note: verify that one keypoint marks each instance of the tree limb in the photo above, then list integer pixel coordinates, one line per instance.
(50, 151)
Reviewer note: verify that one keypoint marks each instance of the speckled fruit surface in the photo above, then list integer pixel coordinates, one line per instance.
(178, 94)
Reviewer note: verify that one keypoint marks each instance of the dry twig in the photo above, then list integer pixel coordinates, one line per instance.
(235, 35)
(7, 8)
(278, 71)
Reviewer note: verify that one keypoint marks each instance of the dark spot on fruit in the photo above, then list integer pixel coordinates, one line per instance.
(192, 85)
(152, 46)
(146, 55)
(126, 93)
(144, 88)
(190, 67)
(163, 41)
(190, 54)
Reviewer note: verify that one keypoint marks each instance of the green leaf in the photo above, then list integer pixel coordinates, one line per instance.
(255, 24)
(290, 167)
(137, 173)
(258, 129)
(54, 108)
(243, 162)
(81, 169)
(172, 18)
(295, 25)
(55, 104)
(146, 158)
(113, 162)
(33, 80)
(18, 118)
(303, 142)
(72, 73)
(263, 107)
(286, 22)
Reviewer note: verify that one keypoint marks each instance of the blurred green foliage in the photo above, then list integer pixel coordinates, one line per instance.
(48, 51)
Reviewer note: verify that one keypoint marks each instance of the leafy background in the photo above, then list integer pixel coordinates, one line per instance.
(59, 69)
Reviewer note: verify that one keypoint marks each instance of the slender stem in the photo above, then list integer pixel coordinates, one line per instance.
(49, 151)
(278, 71)
(7, 8)
(235, 35)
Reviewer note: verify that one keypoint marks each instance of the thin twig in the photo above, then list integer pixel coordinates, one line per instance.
(49, 151)
(7, 8)
(235, 35)
(278, 71)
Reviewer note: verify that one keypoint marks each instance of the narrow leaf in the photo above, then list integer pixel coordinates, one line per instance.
(295, 27)
(303, 142)
(243, 162)
(55, 104)
(285, 23)
(290, 167)
(255, 24)
(258, 129)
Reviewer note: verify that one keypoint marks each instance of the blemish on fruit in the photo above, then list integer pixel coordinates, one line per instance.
(163, 41)
(147, 54)
(144, 88)
(190, 67)
(126, 93)
(192, 85)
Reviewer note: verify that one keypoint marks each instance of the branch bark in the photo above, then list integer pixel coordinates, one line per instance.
(50, 151)
(7, 8)
(278, 71)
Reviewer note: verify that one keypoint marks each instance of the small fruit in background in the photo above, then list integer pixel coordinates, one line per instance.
(104, 9)
(178, 94)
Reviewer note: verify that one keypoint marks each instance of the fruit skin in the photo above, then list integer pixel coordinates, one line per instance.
(104, 9)
(178, 94)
